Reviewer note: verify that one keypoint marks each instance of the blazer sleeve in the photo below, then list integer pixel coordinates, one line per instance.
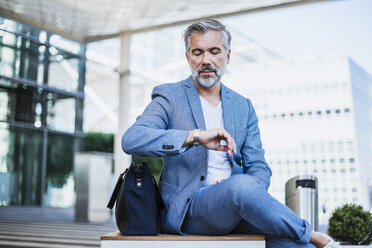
(253, 159)
(150, 135)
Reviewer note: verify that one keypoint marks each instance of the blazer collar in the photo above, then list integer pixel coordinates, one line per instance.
(196, 108)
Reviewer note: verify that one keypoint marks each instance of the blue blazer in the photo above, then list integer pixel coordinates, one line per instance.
(161, 130)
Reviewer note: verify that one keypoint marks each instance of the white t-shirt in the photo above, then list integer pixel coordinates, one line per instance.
(218, 163)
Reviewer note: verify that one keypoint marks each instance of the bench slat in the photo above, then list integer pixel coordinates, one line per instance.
(172, 237)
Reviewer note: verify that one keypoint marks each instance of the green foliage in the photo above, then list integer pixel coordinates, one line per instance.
(59, 159)
(99, 142)
(351, 225)
(155, 165)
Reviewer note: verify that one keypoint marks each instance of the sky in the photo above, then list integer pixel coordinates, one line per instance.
(338, 26)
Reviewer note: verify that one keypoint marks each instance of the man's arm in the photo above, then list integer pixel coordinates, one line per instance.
(150, 135)
(253, 153)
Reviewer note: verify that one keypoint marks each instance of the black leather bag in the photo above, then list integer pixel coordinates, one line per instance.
(138, 201)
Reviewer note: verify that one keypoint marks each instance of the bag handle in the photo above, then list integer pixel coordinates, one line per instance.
(115, 193)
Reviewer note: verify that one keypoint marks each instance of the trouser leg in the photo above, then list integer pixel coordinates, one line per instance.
(219, 209)
(272, 241)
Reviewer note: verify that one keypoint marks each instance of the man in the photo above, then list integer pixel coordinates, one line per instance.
(215, 177)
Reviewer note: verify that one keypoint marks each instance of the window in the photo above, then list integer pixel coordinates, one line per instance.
(340, 146)
(331, 146)
(350, 146)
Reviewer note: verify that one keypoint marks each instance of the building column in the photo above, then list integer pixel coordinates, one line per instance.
(122, 160)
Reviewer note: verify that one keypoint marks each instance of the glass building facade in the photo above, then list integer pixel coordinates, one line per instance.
(41, 109)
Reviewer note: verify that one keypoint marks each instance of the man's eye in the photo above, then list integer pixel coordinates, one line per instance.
(197, 53)
(215, 51)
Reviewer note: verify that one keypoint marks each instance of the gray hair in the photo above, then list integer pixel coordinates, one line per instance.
(204, 26)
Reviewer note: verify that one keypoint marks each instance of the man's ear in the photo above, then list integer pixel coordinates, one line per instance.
(228, 56)
(187, 56)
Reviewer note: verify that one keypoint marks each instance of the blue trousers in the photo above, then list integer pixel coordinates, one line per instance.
(240, 205)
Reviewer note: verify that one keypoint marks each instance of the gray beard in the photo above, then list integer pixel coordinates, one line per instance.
(210, 81)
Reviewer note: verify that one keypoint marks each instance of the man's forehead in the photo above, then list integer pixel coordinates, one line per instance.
(208, 38)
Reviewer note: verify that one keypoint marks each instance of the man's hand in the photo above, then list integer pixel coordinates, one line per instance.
(211, 139)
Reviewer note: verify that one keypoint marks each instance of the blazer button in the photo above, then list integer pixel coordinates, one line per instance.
(188, 200)
(171, 147)
(202, 178)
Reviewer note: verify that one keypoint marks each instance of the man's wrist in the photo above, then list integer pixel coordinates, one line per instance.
(196, 137)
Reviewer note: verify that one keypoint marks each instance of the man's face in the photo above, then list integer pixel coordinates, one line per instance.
(207, 57)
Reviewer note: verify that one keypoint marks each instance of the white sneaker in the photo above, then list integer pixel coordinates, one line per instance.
(332, 244)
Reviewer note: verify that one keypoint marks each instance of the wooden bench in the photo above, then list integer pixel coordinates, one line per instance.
(117, 240)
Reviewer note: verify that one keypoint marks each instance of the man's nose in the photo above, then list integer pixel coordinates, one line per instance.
(207, 60)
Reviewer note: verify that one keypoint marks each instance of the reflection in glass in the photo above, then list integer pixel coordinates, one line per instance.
(4, 110)
(39, 95)
(63, 71)
(61, 113)
(20, 57)
(60, 187)
(20, 166)
(65, 44)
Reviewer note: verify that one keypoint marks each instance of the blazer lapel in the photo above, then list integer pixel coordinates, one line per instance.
(228, 121)
(227, 110)
(194, 101)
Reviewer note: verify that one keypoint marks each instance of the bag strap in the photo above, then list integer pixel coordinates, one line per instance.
(115, 193)
(157, 193)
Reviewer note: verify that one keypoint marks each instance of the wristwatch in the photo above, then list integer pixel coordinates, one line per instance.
(196, 137)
